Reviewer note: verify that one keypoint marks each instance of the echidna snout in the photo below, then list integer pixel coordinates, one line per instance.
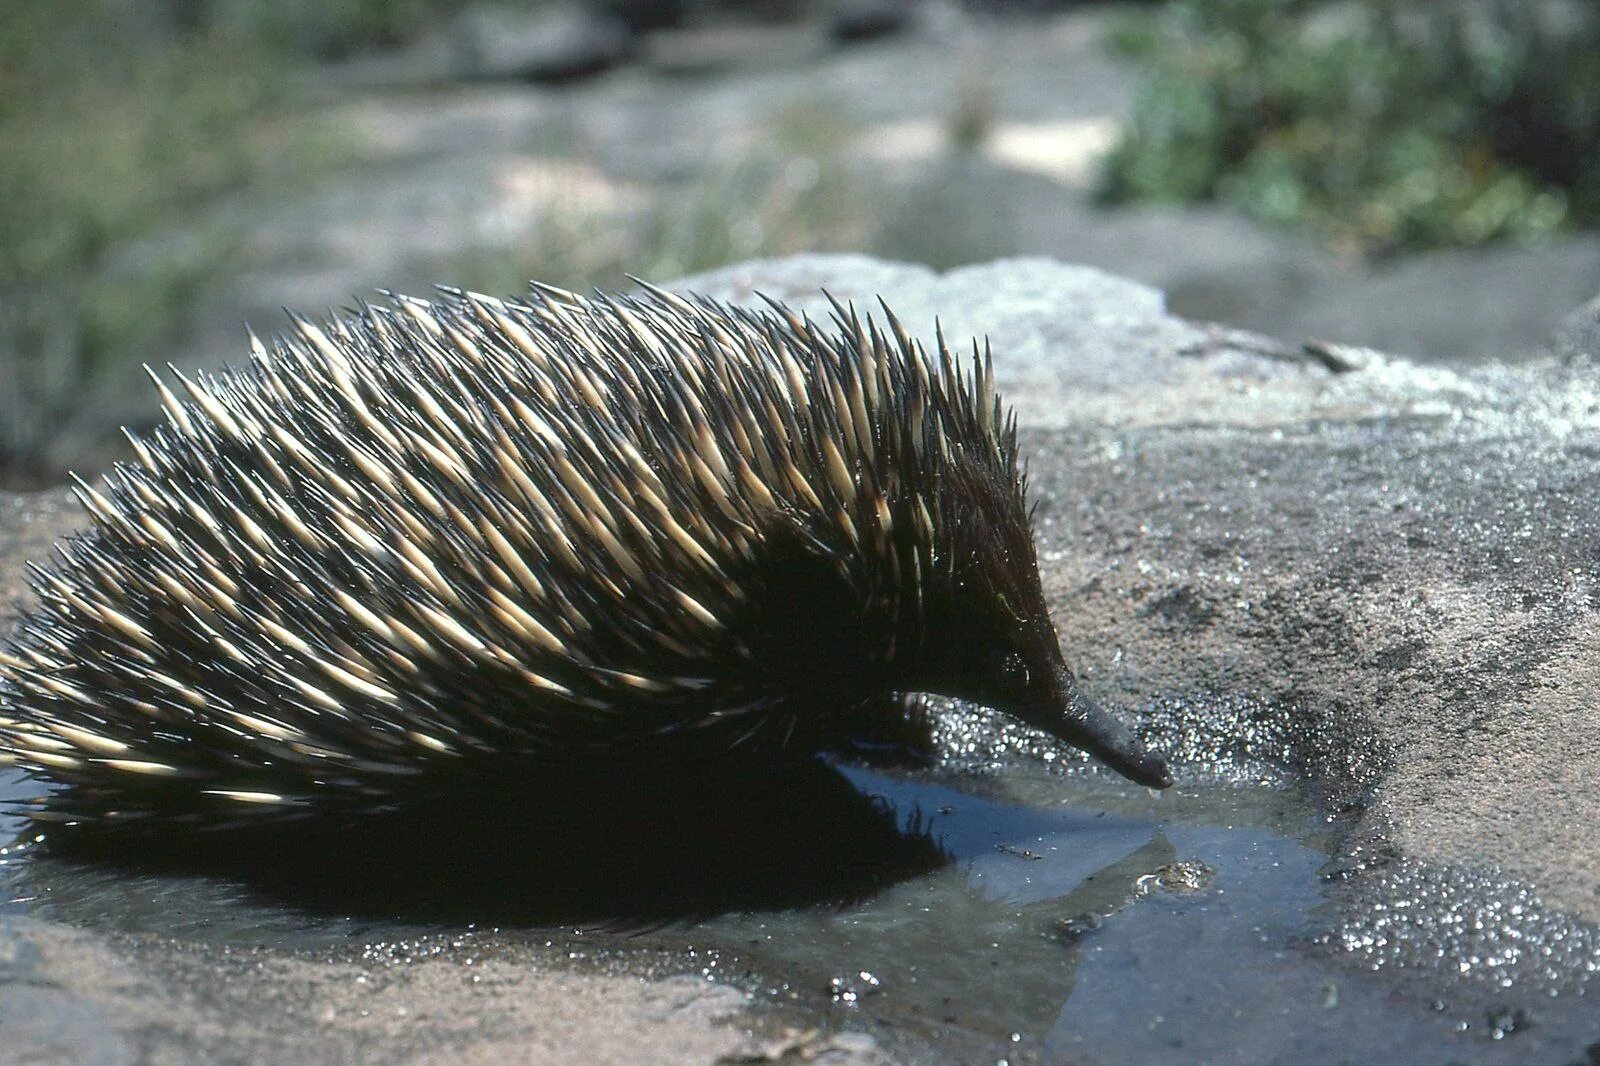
(1072, 717)
(1045, 695)
(990, 639)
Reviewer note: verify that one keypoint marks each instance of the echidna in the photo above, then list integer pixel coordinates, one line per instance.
(474, 536)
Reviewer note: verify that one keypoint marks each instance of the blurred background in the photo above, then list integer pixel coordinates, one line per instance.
(1422, 176)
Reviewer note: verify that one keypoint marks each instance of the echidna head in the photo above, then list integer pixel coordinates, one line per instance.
(989, 637)
(953, 606)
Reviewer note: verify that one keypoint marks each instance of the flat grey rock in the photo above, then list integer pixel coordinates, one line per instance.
(102, 1001)
(1450, 307)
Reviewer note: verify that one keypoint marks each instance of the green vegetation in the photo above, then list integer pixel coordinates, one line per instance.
(1383, 125)
(121, 127)
(144, 137)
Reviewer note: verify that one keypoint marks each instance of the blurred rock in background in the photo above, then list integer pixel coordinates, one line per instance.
(175, 169)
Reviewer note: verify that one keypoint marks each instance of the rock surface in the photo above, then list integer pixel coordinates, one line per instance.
(68, 996)
(1376, 577)
(558, 43)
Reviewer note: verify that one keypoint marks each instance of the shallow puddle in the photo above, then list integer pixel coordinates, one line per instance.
(1028, 915)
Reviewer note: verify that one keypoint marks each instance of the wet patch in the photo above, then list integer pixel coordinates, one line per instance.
(1045, 912)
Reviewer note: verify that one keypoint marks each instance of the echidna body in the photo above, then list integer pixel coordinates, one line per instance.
(431, 538)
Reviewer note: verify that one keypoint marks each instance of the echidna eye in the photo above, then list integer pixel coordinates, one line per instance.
(1014, 672)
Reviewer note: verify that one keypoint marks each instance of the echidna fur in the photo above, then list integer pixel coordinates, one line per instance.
(474, 536)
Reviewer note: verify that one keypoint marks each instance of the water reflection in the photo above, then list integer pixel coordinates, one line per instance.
(988, 944)
(945, 910)
(626, 852)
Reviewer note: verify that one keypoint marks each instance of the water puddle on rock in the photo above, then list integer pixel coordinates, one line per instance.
(1031, 915)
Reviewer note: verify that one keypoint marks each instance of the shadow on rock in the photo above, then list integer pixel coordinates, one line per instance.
(619, 853)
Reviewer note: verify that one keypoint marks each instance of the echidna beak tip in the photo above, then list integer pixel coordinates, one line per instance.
(1136, 763)
(1090, 727)
(1155, 774)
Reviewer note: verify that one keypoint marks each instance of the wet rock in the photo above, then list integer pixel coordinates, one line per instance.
(1187, 876)
(44, 1025)
(88, 999)
(1074, 929)
(853, 987)
(811, 1046)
